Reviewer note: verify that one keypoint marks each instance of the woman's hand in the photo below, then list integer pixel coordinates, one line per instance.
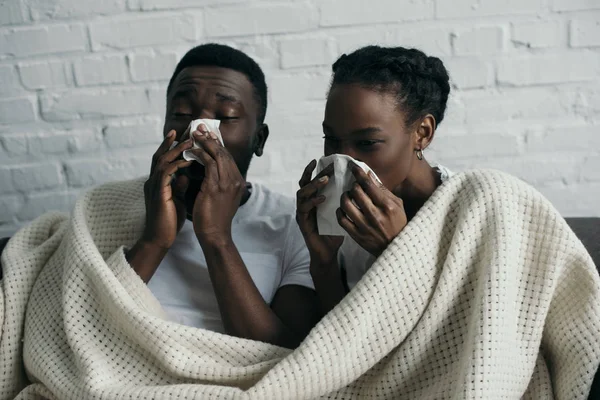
(371, 214)
(323, 249)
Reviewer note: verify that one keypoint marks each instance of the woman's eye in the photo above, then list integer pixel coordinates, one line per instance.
(367, 143)
(181, 115)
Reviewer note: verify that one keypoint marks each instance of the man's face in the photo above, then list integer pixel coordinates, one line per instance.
(215, 93)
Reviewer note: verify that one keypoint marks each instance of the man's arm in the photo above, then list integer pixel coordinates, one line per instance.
(243, 309)
(165, 211)
(145, 258)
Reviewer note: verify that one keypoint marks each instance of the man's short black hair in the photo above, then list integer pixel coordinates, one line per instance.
(219, 55)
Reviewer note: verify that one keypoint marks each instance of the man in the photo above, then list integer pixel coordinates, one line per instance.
(217, 252)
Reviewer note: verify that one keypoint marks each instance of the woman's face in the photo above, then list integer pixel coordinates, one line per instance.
(369, 127)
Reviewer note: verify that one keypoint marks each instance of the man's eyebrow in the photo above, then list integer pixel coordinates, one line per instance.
(184, 92)
(226, 98)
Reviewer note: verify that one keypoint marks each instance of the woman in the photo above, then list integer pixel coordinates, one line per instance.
(465, 287)
(383, 109)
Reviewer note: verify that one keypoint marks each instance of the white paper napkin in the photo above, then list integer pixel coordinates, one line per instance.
(341, 181)
(211, 124)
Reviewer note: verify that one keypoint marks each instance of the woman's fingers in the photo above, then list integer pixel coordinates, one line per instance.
(313, 186)
(353, 212)
(305, 179)
(346, 223)
(375, 190)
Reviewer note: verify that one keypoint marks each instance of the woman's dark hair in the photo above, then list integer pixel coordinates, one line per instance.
(420, 83)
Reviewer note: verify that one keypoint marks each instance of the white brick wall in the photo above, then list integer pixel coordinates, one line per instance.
(83, 83)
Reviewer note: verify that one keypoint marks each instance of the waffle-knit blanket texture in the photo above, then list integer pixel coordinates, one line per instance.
(486, 294)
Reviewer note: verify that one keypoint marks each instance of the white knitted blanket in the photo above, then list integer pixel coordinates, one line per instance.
(486, 294)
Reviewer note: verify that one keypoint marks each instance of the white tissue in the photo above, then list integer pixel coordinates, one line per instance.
(341, 181)
(212, 125)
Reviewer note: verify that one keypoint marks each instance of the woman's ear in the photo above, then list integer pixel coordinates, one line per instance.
(425, 130)
(262, 133)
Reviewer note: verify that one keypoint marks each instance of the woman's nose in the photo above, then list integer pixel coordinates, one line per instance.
(348, 150)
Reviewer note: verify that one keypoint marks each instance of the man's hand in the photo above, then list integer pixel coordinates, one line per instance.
(370, 213)
(323, 249)
(221, 191)
(165, 210)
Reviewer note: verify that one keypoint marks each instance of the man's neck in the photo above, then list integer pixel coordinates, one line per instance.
(247, 193)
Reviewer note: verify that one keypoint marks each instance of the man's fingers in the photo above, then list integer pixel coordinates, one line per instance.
(211, 170)
(226, 165)
(162, 149)
(171, 169)
(179, 185)
(176, 151)
(212, 147)
(227, 168)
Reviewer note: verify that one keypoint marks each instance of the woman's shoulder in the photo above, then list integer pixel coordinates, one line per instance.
(444, 172)
(493, 187)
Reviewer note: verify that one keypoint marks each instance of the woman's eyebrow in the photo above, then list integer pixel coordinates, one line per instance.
(357, 132)
(366, 131)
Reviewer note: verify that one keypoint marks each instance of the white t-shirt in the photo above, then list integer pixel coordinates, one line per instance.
(355, 260)
(267, 237)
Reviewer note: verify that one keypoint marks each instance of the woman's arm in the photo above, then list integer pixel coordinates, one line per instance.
(328, 284)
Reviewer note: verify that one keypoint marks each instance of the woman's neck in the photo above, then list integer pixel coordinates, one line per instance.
(418, 187)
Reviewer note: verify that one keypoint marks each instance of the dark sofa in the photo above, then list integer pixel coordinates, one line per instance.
(588, 231)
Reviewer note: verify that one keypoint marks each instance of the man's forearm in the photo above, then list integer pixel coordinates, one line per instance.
(328, 284)
(145, 259)
(243, 310)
